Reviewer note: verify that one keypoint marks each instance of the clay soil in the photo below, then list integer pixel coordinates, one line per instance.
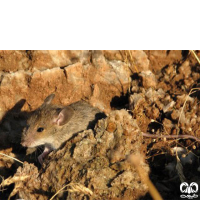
(163, 101)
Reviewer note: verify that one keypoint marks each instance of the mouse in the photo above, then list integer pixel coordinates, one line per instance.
(52, 125)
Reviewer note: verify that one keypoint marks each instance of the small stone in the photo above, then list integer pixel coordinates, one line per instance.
(185, 69)
(169, 106)
(111, 127)
(148, 79)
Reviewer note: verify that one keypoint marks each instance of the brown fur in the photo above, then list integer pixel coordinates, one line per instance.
(81, 116)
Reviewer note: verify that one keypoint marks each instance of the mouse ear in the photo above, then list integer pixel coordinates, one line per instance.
(64, 116)
(49, 99)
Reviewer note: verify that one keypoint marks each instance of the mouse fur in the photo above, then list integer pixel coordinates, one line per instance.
(51, 125)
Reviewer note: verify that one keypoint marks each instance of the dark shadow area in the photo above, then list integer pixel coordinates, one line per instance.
(179, 83)
(11, 127)
(137, 78)
(5, 194)
(166, 182)
(196, 93)
(153, 127)
(98, 116)
(195, 68)
(168, 185)
(185, 54)
(120, 102)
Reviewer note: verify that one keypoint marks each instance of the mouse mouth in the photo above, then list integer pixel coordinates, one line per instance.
(27, 143)
(31, 142)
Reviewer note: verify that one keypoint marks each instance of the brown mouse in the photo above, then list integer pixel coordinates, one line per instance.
(51, 125)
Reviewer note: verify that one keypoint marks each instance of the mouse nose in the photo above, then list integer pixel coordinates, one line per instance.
(23, 143)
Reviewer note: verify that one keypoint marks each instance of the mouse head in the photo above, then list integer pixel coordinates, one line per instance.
(44, 123)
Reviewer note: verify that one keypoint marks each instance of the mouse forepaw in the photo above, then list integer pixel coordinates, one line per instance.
(43, 155)
(40, 159)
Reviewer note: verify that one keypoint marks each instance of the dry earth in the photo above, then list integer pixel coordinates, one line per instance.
(141, 92)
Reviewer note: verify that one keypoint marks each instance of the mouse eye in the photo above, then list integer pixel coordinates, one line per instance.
(40, 129)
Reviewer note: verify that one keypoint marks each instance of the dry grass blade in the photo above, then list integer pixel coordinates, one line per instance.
(11, 158)
(80, 188)
(14, 179)
(1, 186)
(75, 187)
(195, 55)
(136, 160)
(18, 183)
(179, 169)
(191, 92)
(128, 58)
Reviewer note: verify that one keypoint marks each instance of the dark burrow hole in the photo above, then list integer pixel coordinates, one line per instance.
(137, 78)
(120, 102)
(154, 126)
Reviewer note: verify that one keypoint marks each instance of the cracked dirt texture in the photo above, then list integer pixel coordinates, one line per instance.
(71, 75)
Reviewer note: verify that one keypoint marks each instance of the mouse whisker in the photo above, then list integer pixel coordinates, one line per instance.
(40, 149)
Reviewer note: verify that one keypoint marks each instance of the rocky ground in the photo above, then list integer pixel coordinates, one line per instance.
(151, 99)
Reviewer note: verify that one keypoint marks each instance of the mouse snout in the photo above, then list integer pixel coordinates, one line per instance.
(26, 142)
(23, 143)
